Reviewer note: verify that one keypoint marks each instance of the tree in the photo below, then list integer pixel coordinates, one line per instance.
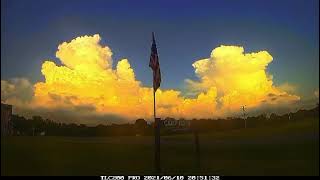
(140, 126)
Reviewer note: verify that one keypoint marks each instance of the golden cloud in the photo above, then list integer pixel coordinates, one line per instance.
(228, 79)
(240, 78)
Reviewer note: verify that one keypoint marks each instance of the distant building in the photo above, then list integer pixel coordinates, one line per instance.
(172, 123)
(6, 113)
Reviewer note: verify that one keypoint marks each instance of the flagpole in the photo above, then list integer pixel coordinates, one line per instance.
(156, 137)
(154, 64)
(154, 105)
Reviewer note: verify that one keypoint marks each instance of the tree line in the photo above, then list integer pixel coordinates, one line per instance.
(38, 126)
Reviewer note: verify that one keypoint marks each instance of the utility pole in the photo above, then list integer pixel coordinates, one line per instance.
(244, 116)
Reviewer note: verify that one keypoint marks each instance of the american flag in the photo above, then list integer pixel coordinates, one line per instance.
(154, 64)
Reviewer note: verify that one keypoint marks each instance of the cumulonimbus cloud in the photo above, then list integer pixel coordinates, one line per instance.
(18, 91)
(228, 79)
(240, 78)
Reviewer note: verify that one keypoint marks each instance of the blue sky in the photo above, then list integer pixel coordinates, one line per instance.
(185, 32)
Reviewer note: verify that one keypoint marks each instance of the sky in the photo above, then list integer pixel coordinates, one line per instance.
(186, 32)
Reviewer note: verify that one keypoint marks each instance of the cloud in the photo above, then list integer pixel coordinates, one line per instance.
(16, 91)
(316, 93)
(287, 87)
(87, 76)
(85, 53)
(87, 82)
(240, 78)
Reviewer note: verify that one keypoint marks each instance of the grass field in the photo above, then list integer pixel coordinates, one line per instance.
(290, 149)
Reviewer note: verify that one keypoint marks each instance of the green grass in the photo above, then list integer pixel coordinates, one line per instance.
(290, 149)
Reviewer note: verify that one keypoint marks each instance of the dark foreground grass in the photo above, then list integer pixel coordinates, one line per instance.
(291, 149)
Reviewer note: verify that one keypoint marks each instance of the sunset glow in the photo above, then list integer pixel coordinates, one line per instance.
(228, 79)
